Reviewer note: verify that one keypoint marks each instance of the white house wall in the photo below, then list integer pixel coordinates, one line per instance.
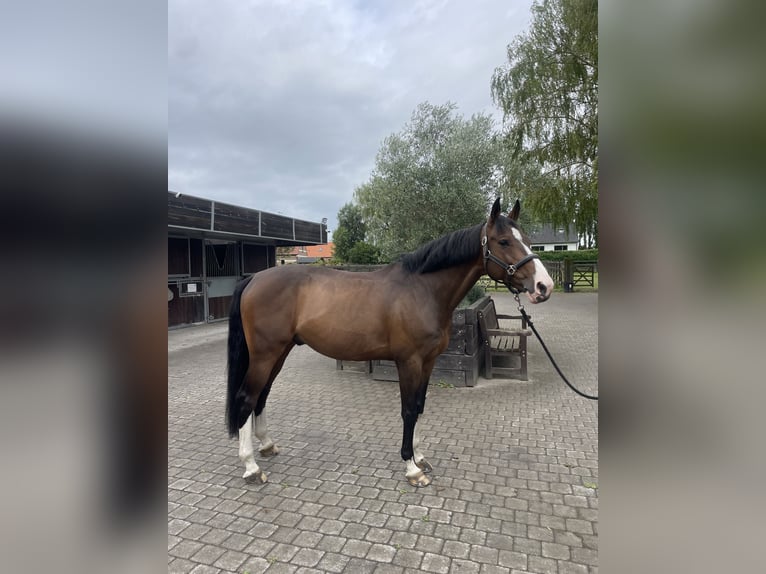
(551, 246)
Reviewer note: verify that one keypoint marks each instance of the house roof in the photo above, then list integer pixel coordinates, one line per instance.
(317, 251)
(546, 233)
(324, 250)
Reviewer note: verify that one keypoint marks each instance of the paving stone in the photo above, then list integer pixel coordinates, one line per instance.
(455, 549)
(511, 559)
(186, 548)
(231, 560)
(180, 566)
(484, 554)
(360, 566)
(499, 541)
(283, 552)
(542, 565)
(460, 566)
(472, 536)
(176, 525)
(404, 539)
(408, 558)
(585, 556)
(435, 563)
(332, 562)
(381, 535)
(332, 543)
(356, 548)
(354, 530)
(572, 568)
(579, 526)
(381, 553)
(307, 557)
(259, 547)
(208, 554)
(307, 539)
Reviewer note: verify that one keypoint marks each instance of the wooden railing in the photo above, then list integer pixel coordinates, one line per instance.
(579, 273)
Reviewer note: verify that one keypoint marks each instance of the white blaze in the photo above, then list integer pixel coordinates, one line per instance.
(541, 273)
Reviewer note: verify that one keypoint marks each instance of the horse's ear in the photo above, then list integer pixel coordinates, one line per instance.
(495, 211)
(514, 214)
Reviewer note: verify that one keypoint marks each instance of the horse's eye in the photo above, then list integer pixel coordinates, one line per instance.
(504, 243)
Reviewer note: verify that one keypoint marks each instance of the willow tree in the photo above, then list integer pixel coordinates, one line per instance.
(433, 177)
(548, 91)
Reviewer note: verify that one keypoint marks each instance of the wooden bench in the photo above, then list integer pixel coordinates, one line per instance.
(505, 346)
(359, 366)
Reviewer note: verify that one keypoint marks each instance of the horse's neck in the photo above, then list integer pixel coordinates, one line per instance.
(450, 285)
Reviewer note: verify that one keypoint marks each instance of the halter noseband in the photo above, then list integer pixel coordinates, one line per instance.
(510, 268)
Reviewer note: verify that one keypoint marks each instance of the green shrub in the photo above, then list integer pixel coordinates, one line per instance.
(579, 255)
(474, 294)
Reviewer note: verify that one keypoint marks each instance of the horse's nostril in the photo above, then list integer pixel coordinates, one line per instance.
(541, 288)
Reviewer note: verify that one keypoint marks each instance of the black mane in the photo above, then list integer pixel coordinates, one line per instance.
(449, 250)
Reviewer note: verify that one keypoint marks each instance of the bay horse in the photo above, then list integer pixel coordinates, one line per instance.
(402, 312)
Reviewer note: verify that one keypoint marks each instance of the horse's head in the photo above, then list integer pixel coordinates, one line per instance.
(508, 257)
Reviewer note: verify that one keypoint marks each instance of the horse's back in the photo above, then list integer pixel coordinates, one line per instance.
(309, 282)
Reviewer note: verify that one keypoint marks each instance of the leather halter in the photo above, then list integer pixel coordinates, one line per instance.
(510, 268)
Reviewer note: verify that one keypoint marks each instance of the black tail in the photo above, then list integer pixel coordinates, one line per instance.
(239, 360)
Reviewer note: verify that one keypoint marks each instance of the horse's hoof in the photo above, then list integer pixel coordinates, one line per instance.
(269, 451)
(256, 478)
(419, 480)
(424, 465)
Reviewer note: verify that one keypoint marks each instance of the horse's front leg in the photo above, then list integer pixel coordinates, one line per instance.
(418, 456)
(409, 379)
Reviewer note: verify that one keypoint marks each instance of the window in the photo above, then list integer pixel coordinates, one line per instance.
(560, 247)
(538, 248)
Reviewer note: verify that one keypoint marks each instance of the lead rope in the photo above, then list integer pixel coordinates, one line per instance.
(547, 352)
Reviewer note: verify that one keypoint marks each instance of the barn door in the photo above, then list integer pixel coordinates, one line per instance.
(222, 266)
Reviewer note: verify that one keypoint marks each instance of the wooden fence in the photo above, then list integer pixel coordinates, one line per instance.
(579, 273)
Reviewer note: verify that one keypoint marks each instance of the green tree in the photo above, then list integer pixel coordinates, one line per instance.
(351, 230)
(548, 91)
(433, 177)
(364, 254)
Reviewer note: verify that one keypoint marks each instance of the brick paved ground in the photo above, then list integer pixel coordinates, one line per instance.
(515, 465)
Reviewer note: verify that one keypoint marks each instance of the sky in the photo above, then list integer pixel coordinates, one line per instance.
(282, 106)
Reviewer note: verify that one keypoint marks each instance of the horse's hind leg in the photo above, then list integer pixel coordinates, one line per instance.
(258, 381)
(253, 472)
(268, 448)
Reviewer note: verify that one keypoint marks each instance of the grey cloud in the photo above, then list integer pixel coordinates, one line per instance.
(282, 106)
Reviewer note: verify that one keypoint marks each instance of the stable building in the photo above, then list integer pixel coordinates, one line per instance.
(213, 245)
